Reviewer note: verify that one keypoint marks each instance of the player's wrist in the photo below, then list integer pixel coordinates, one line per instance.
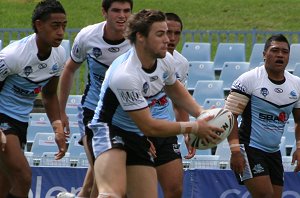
(188, 127)
(57, 126)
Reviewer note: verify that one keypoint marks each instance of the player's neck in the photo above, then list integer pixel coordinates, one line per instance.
(146, 59)
(44, 50)
(112, 34)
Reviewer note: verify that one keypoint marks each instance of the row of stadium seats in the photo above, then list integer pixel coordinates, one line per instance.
(233, 52)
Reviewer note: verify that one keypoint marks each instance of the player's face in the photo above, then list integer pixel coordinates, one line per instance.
(174, 32)
(157, 41)
(52, 30)
(277, 56)
(117, 15)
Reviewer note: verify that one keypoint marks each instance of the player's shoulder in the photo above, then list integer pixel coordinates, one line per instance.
(179, 56)
(168, 60)
(91, 29)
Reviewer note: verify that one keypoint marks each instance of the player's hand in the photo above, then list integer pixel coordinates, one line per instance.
(60, 139)
(208, 132)
(152, 149)
(65, 123)
(237, 162)
(296, 157)
(191, 150)
(2, 140)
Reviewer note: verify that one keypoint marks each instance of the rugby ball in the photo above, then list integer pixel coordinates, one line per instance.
(223, 118)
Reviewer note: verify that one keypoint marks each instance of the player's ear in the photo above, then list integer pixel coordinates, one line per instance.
(104, 13)
(140, 37)
(38, 25)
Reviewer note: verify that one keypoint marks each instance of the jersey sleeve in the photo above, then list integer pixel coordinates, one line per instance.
(170, 71)
(244, 84)
(78, 48)
(6, 64)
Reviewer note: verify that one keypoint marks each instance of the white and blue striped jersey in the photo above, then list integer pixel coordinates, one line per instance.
(89, 45)
(24, 75)
(268, 109)
(128, 87)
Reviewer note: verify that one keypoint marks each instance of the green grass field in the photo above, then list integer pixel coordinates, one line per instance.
(196, 14)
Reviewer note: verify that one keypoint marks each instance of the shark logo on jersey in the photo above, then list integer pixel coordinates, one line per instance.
(145, 87)
(97, 52)
(76, 50)
(130, 97)
(27, 70)
(114, 49)
(42, 65)
(117, 140)
(4, 126)
(264, 91)
(293, 95)
(258, 168)
(55, 69)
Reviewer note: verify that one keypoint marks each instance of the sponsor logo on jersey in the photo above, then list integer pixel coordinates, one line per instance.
(42, 65)
(3, 68)
(282, 117)
(278, 90)
(23, 92)
(145, 87)
(293, 95)
(153, 78)
(130, 97)
(114, 49)
(264, 91)
(97, 52)
(27, 70)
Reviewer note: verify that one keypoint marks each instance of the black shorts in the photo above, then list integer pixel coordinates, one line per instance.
(135, 146)
(260, 163)
(13, 126)
(167, 149)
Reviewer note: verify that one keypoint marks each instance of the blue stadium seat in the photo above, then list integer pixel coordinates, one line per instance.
(256, 56)
(194, 51)
(213, 102)
(231, 71)
(296, 71)
(229, 52)
(74, 147)
(43, 142)
(73, 123)
(38, 123)
(289, 133)
(224, 152)
(294, 56)
(67, 46)
(208, 89)
(199, 70)
(72, 104)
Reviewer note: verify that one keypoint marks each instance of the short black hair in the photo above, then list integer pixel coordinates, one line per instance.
(43, 10)
(174, 17)
(278, 38)
(107, 3)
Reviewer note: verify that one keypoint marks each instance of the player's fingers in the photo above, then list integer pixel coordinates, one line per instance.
(3, 141)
